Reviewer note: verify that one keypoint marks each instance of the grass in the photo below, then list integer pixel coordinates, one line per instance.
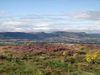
(48, 64)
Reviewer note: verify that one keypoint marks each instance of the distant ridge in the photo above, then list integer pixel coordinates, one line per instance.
(43, 35)
(53, 37)
(39, 35)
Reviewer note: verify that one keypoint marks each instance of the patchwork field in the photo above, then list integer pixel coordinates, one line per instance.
(50, 59)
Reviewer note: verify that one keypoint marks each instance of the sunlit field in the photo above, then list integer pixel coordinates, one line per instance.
(50, 59)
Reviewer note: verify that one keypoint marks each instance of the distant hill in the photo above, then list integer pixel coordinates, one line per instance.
(23, 35)
(43, 35)
(40, 35)
(54, 37)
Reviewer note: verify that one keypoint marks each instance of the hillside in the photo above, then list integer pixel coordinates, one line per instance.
(54, 37)
(39, 35)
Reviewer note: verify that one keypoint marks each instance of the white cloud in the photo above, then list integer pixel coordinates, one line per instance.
(86, 15)
(15, 23)
(97, 22)
(22, 26)
(85, 21)
(5, 16)
(4, 12)
(32, 17)
(82, 28)
(12, 23)
(41, 28)
(41, 25)
(18, 30)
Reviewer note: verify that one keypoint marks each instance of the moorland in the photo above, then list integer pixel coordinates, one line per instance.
(50, 59)
(56, 53)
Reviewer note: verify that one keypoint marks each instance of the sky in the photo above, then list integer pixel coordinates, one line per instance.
(50, 16)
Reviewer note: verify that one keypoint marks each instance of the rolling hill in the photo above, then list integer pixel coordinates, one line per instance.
(54, 37)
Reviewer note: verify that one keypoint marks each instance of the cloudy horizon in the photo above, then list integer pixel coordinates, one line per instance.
(50, 16)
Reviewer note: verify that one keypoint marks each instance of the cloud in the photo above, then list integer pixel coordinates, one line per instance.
(76, 29)
(43, 16)
(97, 22)
(5, 16)
(16, 23)
(22, 26)
(18, 30)
(32, 26)
(32, 17)
(41, 25)
(41, 28)
(4, 12)
(85, 15)
(49, 15)
(11, 23)
(82, 21)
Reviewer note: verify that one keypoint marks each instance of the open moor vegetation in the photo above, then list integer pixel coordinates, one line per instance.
(50, 59)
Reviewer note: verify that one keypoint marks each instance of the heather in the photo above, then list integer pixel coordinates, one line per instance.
(50, 59)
